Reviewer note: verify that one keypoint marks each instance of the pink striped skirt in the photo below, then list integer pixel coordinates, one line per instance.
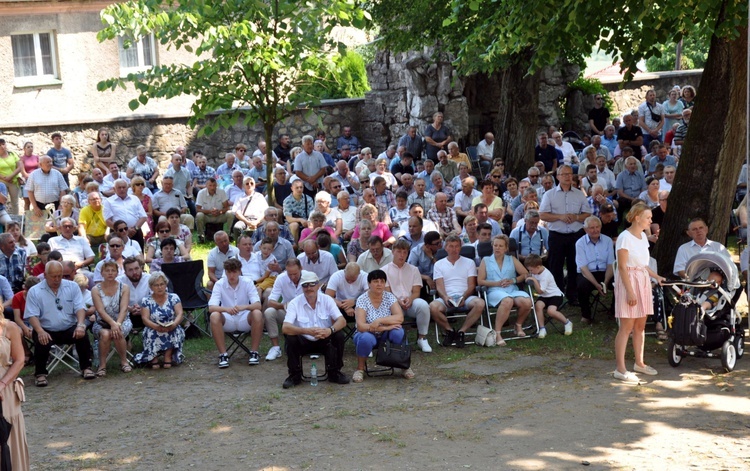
(641, 284)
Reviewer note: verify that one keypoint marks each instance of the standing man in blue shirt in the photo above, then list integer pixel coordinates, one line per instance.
(62, 158)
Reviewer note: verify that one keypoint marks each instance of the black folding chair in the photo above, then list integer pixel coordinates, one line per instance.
(186, 281)
(237, 342)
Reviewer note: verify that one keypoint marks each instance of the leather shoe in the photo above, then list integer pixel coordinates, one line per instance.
(338, 378)
(450, 337)
(291, 381)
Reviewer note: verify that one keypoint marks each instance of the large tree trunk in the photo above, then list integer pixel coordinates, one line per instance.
(515, 131)
(714, 150)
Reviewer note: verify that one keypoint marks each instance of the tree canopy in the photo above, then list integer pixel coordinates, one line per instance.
(253, 53)
(486, 35)
(254, 59)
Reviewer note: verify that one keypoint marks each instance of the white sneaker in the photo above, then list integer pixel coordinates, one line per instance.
(569, 328)
(424, 345)
(273, 353)
(542, 333)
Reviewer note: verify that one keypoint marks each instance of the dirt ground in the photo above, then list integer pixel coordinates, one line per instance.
(480, 409)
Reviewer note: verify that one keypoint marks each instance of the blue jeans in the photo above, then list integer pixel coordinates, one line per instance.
(364, 342)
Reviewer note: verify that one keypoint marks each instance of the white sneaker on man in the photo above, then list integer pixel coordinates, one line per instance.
(273, 353)
(424, 345)
(542, 333)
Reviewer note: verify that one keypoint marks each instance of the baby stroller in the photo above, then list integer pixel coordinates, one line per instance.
(711, 333)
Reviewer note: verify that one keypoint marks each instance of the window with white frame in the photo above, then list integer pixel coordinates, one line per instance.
(139, 56)
(34, 58)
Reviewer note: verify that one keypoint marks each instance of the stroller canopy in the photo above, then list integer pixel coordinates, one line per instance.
(699, 266)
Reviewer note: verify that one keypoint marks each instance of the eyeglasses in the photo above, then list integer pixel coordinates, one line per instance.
(494, 176)
(598, 98)
(122, 229)
(139, 184)
(115, 246)
(67, 226)
(239, 150)
(167, 231)
(308, 285)
(249, 184)
(58, 304)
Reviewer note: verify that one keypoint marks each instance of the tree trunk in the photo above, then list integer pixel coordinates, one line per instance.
(270, 164)
(714, 150)
(517, 121)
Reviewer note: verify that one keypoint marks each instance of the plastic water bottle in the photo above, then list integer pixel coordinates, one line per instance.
(313, 375)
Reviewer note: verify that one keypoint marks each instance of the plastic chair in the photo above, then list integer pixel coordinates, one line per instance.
(474, 159)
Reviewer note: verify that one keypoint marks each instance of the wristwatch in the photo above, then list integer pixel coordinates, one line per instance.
(333, 330)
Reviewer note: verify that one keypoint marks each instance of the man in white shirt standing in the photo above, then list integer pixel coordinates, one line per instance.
(128, 208)
(405, 282)
(235, 307)
(455, 280)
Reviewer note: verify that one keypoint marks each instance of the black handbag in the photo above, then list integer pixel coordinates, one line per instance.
(393, 355)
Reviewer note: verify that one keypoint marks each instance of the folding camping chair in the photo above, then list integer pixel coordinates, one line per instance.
(237, 342)
(475, 161)
(531, 326)
(62, 354)
(186, 281)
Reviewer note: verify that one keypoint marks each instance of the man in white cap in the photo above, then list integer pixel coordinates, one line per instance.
(313, 324)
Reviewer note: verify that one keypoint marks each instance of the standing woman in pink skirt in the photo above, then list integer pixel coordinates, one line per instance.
(633, 298)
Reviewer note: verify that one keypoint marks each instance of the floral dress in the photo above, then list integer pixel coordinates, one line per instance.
(155, 342)
(112, 306)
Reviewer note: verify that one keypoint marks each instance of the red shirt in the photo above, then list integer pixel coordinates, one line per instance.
(38, 269)
(19, 301)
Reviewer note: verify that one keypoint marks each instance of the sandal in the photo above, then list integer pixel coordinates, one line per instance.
(88, 374)
(358, 376)
(408, 373)
(166, 365)
(126, 368)
(499, 342)
(101, 372)
(661, 335)
(41, 381)
(155, 365)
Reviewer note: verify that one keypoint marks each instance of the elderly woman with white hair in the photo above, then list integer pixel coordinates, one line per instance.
(439, 186)
(143, 166)
(162, 334)
(317, 225)
(67, 209)
(332, 215)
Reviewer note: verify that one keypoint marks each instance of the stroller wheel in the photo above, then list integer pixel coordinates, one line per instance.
(739, 345)
(675, 354)
(728, 356)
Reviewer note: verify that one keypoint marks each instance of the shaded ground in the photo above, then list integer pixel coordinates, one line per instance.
(500, 408)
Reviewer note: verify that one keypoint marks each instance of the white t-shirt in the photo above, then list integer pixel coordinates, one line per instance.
(547, 284)
(455, 276)
(637, 248)
(343, 289)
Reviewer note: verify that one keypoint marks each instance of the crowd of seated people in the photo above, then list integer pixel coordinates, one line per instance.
(353, 235)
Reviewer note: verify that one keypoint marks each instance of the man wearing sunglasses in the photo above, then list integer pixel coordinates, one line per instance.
(55, 310)
(130, 247)
(313, 324)
(114, 253)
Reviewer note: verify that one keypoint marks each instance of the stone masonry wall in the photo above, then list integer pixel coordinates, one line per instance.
(162, 135)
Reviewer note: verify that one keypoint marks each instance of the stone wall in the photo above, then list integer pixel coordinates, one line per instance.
(163, 134)
(408, 89)
(628, 96)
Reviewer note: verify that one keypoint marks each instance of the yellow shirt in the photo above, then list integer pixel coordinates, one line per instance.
(8, 165)
(93, 221)
(461, 158)
(497, 203)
